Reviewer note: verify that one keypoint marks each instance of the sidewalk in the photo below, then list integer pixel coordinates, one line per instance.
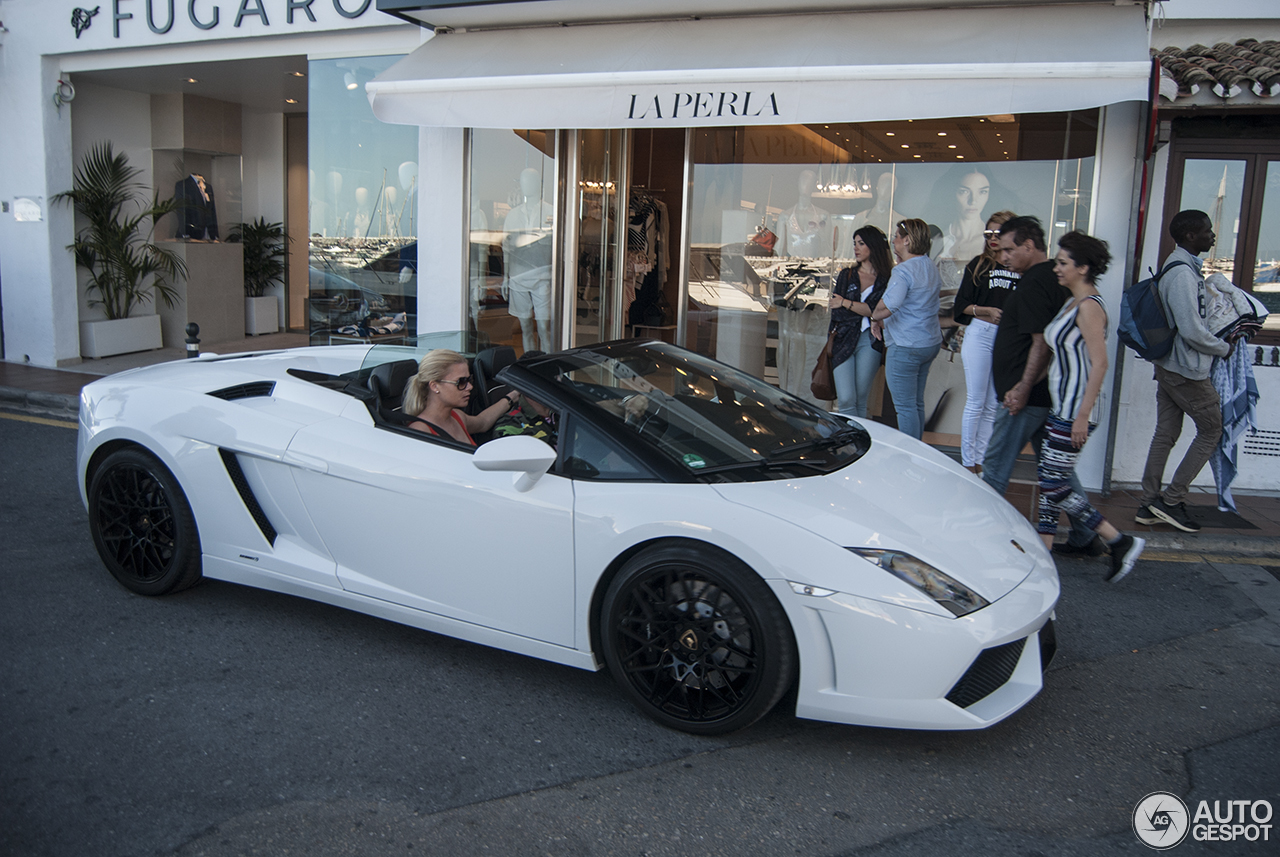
(1254, 532)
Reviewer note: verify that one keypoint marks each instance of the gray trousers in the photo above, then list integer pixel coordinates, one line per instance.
(1176, 396)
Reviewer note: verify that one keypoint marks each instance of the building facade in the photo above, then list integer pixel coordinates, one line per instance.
(549, 173)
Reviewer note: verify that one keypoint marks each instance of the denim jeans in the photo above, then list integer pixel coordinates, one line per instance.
(855, 376)
(1010, 434)
(905, 372)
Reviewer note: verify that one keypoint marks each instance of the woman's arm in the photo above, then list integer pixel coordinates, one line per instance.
(484, 420)
(968, 295)
(1091, 318)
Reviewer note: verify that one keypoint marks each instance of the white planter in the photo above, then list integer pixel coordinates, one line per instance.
(261, 315)
(119, 336)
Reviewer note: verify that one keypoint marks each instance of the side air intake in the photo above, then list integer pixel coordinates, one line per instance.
(252, 390)
(246, 494)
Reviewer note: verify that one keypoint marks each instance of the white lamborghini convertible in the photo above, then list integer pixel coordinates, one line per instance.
(709, 538)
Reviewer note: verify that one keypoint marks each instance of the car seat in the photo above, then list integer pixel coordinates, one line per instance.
(488, 363)
(388, 382)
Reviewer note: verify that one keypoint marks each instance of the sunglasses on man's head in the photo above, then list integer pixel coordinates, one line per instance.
(462, 383)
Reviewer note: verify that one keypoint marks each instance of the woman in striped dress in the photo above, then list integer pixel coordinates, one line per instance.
(1077, 340)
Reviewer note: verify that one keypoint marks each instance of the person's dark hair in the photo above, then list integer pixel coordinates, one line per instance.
(1185, 222)
(878, 249)
(916, 231)
(1025, 228)
(1087, 251)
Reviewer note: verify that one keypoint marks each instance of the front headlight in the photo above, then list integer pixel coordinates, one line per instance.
(938, 585)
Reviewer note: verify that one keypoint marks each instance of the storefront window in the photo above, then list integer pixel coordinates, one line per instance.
(774, 209)
(512, 238)
(1266, 270)
(1215, 186)
(362, 182)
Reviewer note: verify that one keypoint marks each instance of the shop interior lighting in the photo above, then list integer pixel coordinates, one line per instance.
(297, 74)
(190, 80)
(350, 79)
(291, 101)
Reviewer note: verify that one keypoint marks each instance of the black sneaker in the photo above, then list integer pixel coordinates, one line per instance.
(1096, 547)
(1174, 515)
(1124, 554)
(1144, 515)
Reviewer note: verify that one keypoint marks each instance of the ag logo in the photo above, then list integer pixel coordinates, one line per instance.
(1160, 819)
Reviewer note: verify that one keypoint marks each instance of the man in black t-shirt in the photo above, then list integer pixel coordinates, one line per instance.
(1019, 357)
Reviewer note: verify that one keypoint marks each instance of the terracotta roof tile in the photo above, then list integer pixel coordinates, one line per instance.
(1247, 71)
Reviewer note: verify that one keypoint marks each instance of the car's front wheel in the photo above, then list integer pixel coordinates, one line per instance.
(142, 524)
(696, 639)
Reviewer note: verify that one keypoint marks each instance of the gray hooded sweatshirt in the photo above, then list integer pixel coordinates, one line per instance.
(1182, 290)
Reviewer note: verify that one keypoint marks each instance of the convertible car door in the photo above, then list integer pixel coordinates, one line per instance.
(414, 522)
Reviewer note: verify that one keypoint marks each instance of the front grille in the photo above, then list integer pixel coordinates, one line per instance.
(989, 671)
(251, 390)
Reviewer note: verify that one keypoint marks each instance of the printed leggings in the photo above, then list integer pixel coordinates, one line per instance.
(1057, 461)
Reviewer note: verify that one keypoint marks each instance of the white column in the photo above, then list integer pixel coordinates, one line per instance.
(442, 246)
(37, 272)
(1111, 220)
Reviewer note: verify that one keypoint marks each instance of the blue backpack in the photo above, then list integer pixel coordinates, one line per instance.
(1144, 325)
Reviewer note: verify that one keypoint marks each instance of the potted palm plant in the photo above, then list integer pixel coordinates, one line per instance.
(127, 268)
(263, 266)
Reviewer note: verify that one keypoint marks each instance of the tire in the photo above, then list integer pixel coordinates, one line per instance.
(696, 639)
(142, 524)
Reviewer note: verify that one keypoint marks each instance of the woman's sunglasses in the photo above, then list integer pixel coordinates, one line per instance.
(461, 383)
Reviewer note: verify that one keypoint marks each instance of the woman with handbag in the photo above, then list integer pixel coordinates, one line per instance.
(979, 304)
(854, 359)
(909, 310)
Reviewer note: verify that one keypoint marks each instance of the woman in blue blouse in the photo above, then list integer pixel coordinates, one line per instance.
(909, 312)
(857, 291)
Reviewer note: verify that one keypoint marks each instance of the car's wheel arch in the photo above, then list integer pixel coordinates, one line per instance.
(615, 566)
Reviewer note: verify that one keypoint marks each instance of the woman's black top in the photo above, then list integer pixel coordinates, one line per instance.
(846, 323)
(990, 288)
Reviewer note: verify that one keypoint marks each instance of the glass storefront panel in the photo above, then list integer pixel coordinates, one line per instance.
(510, 269)
(1216, 186)
(362, 183)
(1266, 269)
(600, 185)
(773, 211)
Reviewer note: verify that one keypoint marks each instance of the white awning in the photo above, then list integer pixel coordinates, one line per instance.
(773, 70)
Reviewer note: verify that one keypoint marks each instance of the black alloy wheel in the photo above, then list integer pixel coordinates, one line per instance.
(142, 525)
(696, 639)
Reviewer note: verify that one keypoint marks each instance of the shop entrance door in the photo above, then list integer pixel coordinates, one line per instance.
(625, 201)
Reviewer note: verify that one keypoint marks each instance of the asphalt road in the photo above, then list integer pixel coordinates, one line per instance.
(228, 721)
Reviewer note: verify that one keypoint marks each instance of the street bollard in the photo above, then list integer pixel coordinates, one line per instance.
(193, 340)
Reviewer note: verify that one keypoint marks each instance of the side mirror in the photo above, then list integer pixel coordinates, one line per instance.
(527, 457)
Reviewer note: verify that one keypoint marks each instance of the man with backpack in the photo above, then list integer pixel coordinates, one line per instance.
(1182, 376)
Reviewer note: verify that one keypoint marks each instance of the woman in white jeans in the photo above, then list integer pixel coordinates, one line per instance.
(979, 304)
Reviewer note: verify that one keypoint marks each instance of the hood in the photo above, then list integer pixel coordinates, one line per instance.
(905, 495)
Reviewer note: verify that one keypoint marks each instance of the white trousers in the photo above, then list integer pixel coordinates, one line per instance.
(980, 398)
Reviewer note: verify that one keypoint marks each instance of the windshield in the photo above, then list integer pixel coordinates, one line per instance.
(705, 415)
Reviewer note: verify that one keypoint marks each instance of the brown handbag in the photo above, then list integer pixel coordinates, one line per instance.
(823, 383)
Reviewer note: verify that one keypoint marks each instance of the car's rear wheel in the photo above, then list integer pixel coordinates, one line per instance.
(142, 524)
(696, 639)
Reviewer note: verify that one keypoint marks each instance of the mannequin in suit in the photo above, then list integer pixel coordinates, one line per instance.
(197, 214)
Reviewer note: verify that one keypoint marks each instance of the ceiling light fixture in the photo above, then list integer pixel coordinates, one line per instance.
(350, 79)
(291, 101)
(190, 80)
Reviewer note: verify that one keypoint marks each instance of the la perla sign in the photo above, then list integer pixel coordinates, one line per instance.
(690, 106)
(162, 15)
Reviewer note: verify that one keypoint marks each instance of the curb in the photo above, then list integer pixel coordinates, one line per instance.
(37, 401)
(1257, 547)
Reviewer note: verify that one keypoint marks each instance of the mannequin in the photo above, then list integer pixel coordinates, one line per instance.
(526, 255)
(804, 229)
(197, 214)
